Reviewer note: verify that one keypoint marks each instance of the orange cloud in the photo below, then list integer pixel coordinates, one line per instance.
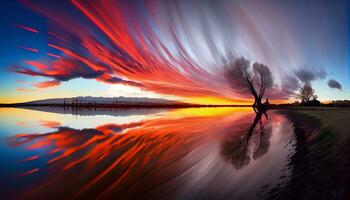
(47, 84)
(25, 89)
(49, 124)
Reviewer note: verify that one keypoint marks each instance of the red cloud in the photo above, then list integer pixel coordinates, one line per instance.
(27, 28)
(134, 57)
(49, 124)
(30, 49)
(126, 50)
(47, 84)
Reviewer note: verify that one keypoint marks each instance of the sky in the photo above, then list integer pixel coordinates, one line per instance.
(171, 49)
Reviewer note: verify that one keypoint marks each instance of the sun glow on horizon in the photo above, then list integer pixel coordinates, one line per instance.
(177, 51)
(132, 91)
(217, 101)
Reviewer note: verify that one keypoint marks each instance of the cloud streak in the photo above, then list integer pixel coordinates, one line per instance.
(47, 84)
(27, 28)
(168, 47)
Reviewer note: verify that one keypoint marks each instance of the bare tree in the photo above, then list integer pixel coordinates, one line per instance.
(306, 94)
(255, 80)
(263, 80)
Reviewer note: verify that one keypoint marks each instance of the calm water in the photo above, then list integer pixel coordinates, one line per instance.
(200, 153)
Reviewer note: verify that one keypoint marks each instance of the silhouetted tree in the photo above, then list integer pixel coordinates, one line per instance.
(306, 94)
(256, 79)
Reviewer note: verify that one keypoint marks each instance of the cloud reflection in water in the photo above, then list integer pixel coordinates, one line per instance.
(182, 154)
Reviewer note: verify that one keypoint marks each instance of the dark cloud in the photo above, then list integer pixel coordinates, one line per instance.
(66, 69)
(60, 70)
(115, 80)
(334, 84)
(291, 83)
(308, 75)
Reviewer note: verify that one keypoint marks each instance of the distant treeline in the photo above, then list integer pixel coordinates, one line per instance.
(94, 104)
(118, 105)
(344, 103)
(315, 103)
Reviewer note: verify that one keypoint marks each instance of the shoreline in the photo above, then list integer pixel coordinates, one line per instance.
(150, 106)
(322, 147)
(116, 106)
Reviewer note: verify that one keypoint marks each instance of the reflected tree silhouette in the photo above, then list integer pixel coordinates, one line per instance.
(253, 142)
(262, 142)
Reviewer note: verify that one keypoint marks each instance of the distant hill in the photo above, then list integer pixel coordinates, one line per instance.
(103, 100)
(112, 102)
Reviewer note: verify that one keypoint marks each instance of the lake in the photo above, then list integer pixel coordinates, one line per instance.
(192, 153)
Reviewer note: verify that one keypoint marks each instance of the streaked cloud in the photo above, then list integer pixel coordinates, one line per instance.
(181, 48)
(47, 84)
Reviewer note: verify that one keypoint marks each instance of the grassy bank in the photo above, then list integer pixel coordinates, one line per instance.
(320, 164)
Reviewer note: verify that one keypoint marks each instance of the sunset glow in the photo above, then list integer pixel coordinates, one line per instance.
(175, 99)
(173, 50)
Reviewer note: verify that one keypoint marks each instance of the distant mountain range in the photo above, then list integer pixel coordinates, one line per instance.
(111, 102)
(103, 100)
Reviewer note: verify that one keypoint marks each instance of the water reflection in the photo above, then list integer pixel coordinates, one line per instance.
(174, 154)
(98, 111)
(253, 142)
